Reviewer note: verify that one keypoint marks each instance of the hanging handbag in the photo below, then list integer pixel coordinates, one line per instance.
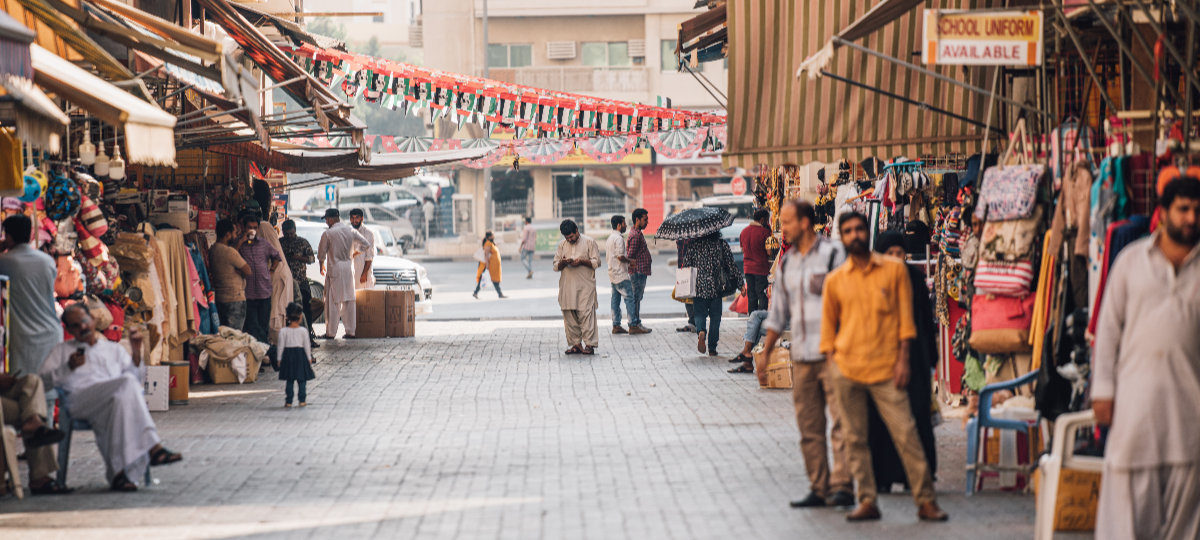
(481, 255)
(1010, 192)
(1004, 278)
(92, 218)
(1000, 324)
(1010, 240)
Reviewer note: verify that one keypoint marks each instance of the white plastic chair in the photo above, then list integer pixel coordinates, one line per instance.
(1062, 456)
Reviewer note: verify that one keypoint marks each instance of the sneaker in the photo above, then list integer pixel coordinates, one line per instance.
(639, 329)
(619, 330)
(812, 500)
(303, 404)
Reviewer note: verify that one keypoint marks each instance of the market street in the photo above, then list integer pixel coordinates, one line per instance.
(485, 430)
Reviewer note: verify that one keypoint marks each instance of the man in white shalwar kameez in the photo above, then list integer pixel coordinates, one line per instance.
(335, 252)
(576, 260)
(103, 385)
(363, 278)
(1146, 379)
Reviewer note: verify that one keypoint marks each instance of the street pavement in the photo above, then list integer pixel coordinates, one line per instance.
(485, 430)
(537, 298)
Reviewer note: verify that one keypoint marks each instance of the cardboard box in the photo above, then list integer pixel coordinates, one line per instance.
(1077, 500)
(207, 220)
(370, 313)
(157, 387)
(778, 366)
(401, 313)
(177, 203)
(222, 372)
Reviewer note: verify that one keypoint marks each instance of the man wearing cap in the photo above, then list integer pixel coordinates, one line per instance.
(364, 279)
(335, 253)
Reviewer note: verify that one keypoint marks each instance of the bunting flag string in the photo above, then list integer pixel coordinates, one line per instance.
(679, 143)
(491, 104)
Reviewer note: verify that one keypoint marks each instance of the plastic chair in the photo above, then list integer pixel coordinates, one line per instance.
(1061, 456)
(68, 425)
(983, 420)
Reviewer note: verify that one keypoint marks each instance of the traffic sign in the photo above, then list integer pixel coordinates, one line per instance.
(330, 192)
(738, 186)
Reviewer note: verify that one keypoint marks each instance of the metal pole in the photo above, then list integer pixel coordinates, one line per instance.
(486, 62)
(1087, 62)
(936, 75)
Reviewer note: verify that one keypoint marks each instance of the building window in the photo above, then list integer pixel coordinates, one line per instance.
(377, 18)
(613, 54)
(669, 61)
(510, 56)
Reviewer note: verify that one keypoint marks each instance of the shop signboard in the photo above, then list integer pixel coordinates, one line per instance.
(982, 38)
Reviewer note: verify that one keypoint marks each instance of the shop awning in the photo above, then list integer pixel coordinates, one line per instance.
(286, 28)
(300, 85)
(880, 15)
(776, 118)
(383, 167)
(704, 30)
(37, 118)
(149, 131)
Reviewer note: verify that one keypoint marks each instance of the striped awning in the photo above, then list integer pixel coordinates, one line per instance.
(776, 118)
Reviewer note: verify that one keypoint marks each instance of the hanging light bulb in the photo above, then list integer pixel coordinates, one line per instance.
(87, 150)
(116, 166)
(101, 167)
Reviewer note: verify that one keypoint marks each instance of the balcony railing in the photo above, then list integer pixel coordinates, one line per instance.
(581, 79)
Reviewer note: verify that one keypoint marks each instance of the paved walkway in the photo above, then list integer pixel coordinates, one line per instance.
(484, 430)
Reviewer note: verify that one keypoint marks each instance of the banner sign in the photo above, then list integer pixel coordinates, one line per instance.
(990, 38)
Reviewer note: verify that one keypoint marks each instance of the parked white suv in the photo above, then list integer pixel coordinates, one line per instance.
(391, 273)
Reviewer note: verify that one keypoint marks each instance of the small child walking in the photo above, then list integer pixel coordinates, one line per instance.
(296, 359)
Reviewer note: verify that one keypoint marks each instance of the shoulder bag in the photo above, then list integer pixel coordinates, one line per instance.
(1000, 324)
(1010, 240)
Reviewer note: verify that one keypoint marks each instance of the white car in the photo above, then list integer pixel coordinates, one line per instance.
(391, 273)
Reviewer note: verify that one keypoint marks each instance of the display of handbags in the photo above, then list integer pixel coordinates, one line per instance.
(1000, 324)
(1004, 278)
(1011, 240)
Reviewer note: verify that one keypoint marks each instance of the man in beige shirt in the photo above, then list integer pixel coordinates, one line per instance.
(229, 272)
(576, 260)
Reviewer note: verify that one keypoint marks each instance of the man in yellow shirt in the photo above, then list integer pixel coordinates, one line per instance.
(866, 328)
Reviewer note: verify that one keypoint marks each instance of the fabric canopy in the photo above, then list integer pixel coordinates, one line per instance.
(777, 119)
(345, 164)
(149, 131)
(37, 118)
(703, 30)
(880, 15)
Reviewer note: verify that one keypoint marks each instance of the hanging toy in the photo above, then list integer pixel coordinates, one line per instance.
(35, 185)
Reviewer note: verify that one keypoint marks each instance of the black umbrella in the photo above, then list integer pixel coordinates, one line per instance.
(694, 223)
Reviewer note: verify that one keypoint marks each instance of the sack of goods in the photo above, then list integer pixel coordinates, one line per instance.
(685, 283)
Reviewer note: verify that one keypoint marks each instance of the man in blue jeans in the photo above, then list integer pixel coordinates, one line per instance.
(528, 245)
(618, 274)
(638, 255)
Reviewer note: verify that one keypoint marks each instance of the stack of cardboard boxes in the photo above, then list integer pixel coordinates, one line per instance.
(385, 313)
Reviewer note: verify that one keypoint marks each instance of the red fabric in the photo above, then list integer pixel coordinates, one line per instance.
(754, 250)
(1095, 315)
(1001, 312)
(113, 333)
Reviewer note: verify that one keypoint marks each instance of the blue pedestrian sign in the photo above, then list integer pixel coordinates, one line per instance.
(330, 191)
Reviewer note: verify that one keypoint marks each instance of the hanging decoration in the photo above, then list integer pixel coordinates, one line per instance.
(609, 149)
(543, 151)
(679, 143)
(491, 104)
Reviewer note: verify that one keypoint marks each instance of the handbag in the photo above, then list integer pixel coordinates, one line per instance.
(1000, 324)
(1010, 192)
(1010, 240)
(481, 255)
(1004, 278)
(685, 283)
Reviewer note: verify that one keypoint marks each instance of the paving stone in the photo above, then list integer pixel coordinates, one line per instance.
(485, 430)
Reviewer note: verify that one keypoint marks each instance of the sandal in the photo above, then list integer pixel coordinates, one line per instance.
(574, 350)
(741, 358)
(742, 369)
(164, 457)
(589, 351)
(43, 436)
(51, 488)
(122, 483)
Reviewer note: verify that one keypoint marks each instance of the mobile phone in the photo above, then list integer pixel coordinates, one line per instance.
(81, 350)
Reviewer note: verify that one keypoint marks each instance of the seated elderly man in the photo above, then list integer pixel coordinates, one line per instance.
(23, 401)
(103, 385)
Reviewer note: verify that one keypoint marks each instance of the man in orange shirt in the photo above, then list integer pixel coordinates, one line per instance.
(866, 328)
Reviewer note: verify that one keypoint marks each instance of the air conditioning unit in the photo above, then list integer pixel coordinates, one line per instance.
(637, 48)
(560, 50)
(416, 36)
(464, 214)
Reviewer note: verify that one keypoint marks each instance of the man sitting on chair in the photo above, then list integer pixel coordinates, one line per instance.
(103, 386)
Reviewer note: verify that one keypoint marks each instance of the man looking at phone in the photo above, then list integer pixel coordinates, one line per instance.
(103, 385)
(576, 260)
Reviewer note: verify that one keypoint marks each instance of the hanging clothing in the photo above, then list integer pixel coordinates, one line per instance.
(1073, 210)
(1120, 235)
